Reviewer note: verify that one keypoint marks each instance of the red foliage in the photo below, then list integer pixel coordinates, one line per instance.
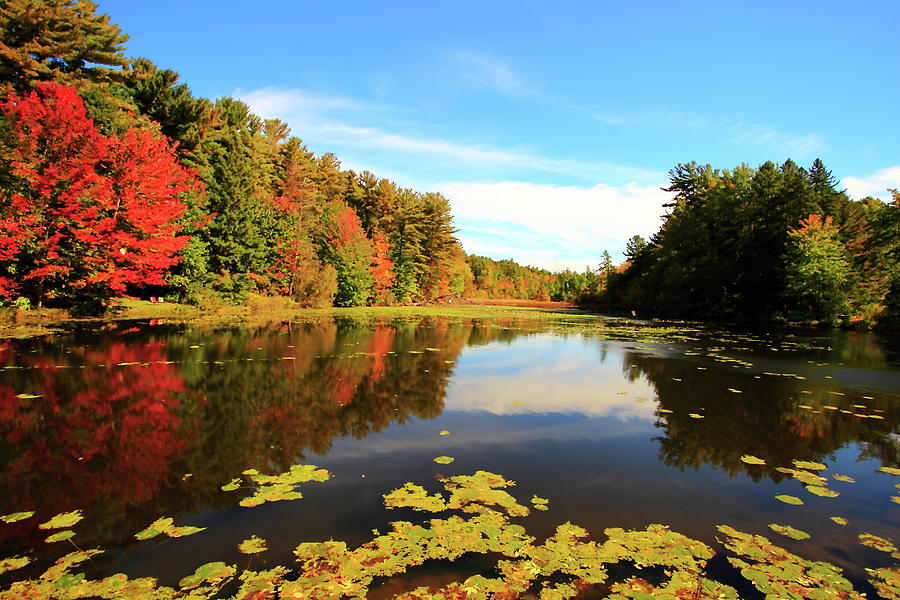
(382, 267)
(347, 227)
(85, 210)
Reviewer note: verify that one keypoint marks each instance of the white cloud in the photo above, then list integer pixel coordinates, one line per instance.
(791, 145)
(484, 71)
(876, 184)
(311, 118)
(567, 226)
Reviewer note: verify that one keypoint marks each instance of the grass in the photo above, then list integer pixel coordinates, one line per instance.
(260, 309)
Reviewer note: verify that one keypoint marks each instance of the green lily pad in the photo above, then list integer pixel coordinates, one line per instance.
(62, 520)
(166, 525)
(444, 460)
(789, 499)
(60, 536)
(232, 485)
(752, 460)
(253, 545)
(789, 531)
(17, 516)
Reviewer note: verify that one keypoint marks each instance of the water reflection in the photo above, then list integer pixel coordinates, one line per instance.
(133, 422)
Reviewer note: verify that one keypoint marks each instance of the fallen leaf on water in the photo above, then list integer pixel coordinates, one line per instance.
(889, 470)
(12, 563)
(789, 499)
(444, 432)
(695, 416)
(752, 460)
(846, 478)
(839, 520)
(444, 460)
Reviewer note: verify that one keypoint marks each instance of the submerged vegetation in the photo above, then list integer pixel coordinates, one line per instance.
(654, 562)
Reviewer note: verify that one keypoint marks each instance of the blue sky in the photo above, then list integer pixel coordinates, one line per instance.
(550, 126)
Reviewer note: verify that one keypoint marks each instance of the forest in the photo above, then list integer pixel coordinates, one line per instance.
(116, 180)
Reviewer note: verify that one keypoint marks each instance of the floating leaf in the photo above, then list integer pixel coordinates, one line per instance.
(846, 478)
(734, 391)
(539, 503)
(695, 416)
(12, 563)
(183, 531)
(839, 520)
(752, 460)
(895, 499)
(17, 516)
(889, 470)
(886, 581)
(813, 466)
(444, 460)
(789, 499)
(213, 572)
(517, 403)
(28, 396)
(879, 543)
(155, 528)
(232, 485)
(60, 536)
(253, 545)
(804, 477)
(62, 520)
(789, 531)
(444, 432)
(819, 490)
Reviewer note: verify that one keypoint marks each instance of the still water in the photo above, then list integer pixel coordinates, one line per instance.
(619, 426)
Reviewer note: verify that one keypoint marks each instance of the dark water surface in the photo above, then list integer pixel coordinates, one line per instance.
(136, 421)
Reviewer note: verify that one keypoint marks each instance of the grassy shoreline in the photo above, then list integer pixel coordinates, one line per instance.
(257, 309)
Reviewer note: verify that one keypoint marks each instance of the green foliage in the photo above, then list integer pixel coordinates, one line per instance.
(817, 268)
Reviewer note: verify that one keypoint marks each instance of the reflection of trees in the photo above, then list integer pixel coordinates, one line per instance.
(117, 439)
(763, 420)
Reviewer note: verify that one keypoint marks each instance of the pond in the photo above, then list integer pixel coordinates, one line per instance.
(617, 423)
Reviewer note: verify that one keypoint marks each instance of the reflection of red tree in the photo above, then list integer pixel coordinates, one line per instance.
(101, 432)
(381, 343)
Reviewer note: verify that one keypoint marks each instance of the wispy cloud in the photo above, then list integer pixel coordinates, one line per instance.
(328, 120)
(487, 72)
(733, 131)
(552, 226)
(876, 184)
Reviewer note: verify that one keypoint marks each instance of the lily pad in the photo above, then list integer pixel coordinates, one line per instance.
(839, 520)
(12, 563)
(812, 466)
(444, 460)
(213, 572)
(232, 485)
(253, 545)
(60, 536)
(845, 478)
(789, 531)
(879, 543)
(17, 516)
(62, 520)
(819, 490)
(752, 460)
(789, 499)
(889, 470)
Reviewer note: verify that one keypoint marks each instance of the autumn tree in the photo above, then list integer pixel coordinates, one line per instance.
(817, 268)
(83, 216)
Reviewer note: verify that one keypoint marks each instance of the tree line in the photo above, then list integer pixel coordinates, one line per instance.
(115, 178)
(772, 243)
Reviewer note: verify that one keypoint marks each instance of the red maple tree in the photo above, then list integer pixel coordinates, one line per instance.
(83, 215)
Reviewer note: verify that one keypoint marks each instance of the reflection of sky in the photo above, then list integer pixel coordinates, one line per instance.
(549, 374)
